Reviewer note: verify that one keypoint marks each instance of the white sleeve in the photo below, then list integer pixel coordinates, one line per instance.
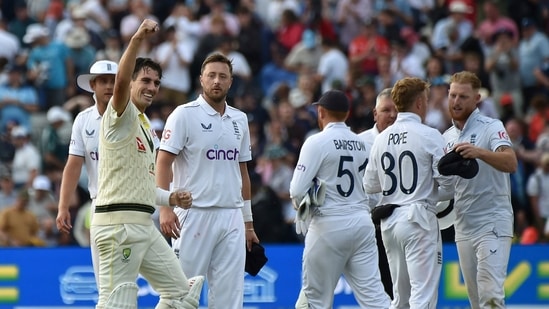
(306, 169)
(532, 188)
(175, 135)
(371, 179)
(76, 145)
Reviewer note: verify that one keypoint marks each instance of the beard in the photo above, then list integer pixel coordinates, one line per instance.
(217, 96)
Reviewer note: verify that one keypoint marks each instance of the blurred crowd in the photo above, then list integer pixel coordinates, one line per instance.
(285, 54)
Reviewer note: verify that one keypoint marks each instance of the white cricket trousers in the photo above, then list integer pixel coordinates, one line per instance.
(213, 244)
(414, 250)
(125, 250)
(337, 245)
(483, 262)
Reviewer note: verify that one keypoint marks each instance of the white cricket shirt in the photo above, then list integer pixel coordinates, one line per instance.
(403, 163)
(483, 203)
(337, 156)
(209, 148)
(85, 142)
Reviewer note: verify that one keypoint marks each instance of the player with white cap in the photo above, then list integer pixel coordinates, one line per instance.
(84, 142)
(403, 167)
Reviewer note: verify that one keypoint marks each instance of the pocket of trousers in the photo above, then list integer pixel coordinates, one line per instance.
(382, 212)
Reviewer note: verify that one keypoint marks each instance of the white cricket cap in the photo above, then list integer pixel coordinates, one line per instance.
(101, 67)
(446, 214)
(41, 182)
(57, 113)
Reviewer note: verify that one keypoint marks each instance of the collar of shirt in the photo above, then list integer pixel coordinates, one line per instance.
(336, 125)
(408, 116)
(209, 109)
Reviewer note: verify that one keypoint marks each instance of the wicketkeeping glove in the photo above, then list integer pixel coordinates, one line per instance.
(303, 215)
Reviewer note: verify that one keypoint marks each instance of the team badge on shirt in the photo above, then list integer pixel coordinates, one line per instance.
(236, 130)
(90, 133)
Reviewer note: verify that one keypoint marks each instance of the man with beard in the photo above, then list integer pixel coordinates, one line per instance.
(484, 215)
(208, 143)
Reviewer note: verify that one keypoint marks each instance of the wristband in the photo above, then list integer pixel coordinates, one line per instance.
(247, 211)
(162, 197)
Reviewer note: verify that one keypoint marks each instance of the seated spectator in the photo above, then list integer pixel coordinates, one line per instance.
(502, 64)
(288, 34)
(18, 226)
(493, 22)
(8, 193)
(26, 162)
(18, 101)
(450, 32)
(305, 55)
(350, 16)
(538, 192)
(54, 151)
(218, 9)
(43, 205)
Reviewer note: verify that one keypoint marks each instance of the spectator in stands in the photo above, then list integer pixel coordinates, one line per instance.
(8, 193)
(438, 115)
(502, 64)
(175, 58)
(400, 9)
(26, 162)
(366, 47)
(288, 34)
(494, 22)
(538, 192)
(350, 16)
(18, 26)
(18, 226)
(450, 32)
(305, 55)
(77, 19)
(139, 11)
(250, 38)
(113, 47)
(50, 67)
(43, 205)
(218, 9)
(333, 67)
(277, 174)
(186, 27)
(274, 9)
(527, 159)
(54, 151)
(100, 14)
(9, 42)
(18, 100)
(81, 53)
(533, 51)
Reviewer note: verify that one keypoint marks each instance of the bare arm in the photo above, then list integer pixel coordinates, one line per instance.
(71, 174)
(169, 223)
(121, 94)
(503, 159)
(251, 237)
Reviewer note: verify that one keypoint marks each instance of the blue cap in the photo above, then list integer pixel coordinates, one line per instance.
(334, 100)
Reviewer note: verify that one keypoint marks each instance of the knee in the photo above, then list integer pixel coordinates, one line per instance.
(124, 296)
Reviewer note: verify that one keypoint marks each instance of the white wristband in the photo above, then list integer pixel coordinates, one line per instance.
(162, 197)
(247, 211)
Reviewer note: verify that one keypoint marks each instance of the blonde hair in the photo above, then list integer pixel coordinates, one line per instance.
(406, 91)
(466, 77)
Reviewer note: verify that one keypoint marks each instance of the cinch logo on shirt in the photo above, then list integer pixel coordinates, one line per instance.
(94, 155)
(222, 154)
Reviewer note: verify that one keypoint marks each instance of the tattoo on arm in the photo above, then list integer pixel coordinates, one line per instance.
(502, 148)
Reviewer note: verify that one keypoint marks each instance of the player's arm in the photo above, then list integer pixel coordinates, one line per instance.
(503, 158)
(69, 181)
(169, 223)
(251, 237)
(121, 94)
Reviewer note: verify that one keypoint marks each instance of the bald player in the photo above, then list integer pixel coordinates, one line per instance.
(341, 234)
(385, 114)
(484, 215)
(403, 167)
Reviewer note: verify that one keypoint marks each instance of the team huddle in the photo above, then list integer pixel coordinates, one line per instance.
(395, 184)
(346, 187)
